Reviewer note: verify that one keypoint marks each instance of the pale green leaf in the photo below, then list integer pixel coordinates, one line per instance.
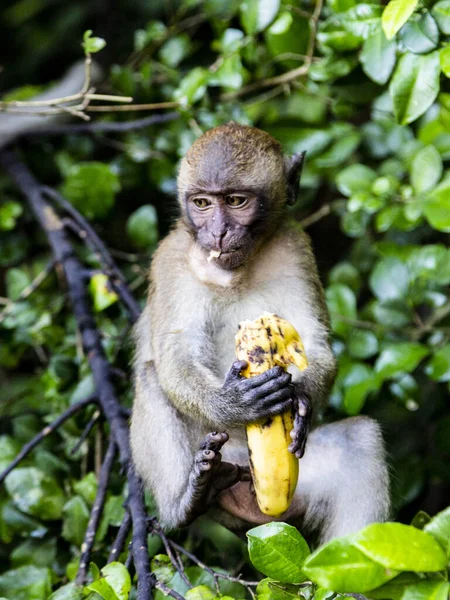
(395, 15)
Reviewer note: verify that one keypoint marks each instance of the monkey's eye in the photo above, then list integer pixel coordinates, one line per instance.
(201, 202)
(236, 201)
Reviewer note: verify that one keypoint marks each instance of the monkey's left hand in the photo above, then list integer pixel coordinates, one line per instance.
(302, 418)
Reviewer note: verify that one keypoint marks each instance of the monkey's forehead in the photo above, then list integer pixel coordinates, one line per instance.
(232, 156)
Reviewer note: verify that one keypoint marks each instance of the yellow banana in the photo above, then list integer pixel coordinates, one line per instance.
(264, 343)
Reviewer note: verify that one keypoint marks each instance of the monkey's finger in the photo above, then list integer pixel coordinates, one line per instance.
(276, 397)
(214, 440)
(276, 406)
(274, 385)
(235, 370)
(257, 380)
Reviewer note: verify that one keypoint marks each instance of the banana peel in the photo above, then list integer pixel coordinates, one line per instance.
(264, 343)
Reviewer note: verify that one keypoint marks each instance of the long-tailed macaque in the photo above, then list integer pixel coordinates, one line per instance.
(231, 256)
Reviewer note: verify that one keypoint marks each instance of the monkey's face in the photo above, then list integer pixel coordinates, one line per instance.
(226, 224)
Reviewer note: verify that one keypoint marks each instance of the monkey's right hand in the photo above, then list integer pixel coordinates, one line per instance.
(242, 400)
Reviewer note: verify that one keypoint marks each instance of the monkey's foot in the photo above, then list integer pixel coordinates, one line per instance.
(302, 418)
(210, 476)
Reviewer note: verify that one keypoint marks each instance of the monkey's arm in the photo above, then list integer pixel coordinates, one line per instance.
(312, 386)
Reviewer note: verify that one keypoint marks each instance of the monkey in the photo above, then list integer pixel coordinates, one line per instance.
(233, 254)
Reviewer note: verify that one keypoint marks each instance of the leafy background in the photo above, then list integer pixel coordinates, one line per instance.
(364, 89)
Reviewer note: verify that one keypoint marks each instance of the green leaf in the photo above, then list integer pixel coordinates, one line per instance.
(256, 15)
(395, 15)
(9, 214)
(70, 591)
(444, 59)
(192, 88)
(401, 547)
(16, 281)
(200, 592)
(287, 33)
(176, 49)
(92, 45)
(415, 85)
(270, 589)
(87, 488)
(378, 57)
(278, 550)
(427, 590)
(76, 517)
(421, 34)
(341, 567)
(441, 12)
(401, 357)
(9, 447)
(35, 493)
(436, 207)
(344, 272)
(395, 588)
(26, 583)
(362, 343)
(439, 528)
(102, 295)
(91, 187)
(390, 279)
(355, 178)
(426, 169)
(294, 140)
(142, 226)
(163, 568)
(362, 20)
(115, 583)
(230, 74)
(341, 302)
(438, 368)
(358, 380)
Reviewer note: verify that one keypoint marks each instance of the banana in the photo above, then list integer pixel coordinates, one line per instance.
(264, 343)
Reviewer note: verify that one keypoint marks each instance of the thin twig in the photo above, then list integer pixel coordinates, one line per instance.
(87, 430)
(167, 591)
(121, 537)
(175, 559)
(103, 126)
(212, 572)
(322, 212)
(288, 76)
(48, 429)
(96, 513)
(133, 107)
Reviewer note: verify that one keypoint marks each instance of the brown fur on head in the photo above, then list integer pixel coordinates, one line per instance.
(230, 162)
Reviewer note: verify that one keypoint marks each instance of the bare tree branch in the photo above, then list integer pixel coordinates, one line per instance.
(96, 513)
(48, 429)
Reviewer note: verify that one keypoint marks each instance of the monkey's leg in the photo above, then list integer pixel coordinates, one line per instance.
(343, 482)
(209, 477)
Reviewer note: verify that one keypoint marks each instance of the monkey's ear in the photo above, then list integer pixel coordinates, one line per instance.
(294, 167)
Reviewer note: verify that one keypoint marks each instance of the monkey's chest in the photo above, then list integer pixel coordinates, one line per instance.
(229, 316)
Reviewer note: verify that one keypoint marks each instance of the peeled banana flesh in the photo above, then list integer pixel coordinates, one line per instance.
(264, 343)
